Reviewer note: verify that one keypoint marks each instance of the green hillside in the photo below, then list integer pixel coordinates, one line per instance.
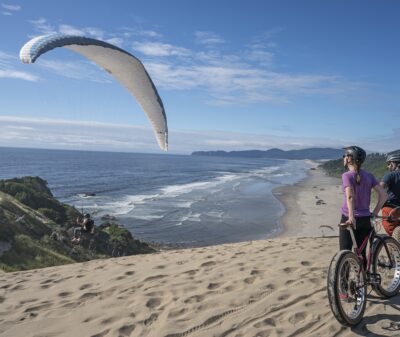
(36, 230)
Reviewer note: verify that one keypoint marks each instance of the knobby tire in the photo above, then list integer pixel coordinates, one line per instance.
(389, 272)
(345, 272)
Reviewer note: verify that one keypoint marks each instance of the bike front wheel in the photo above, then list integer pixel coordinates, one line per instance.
(386, 263)
(347, 289)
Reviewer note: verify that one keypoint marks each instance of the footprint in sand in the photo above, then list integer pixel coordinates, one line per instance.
(213, 286)
(265, 322)
(64, 294)
(109, 320)
(46, 281)
(297, 317)
(195, 299)
(229, 288)
(150, 320)
(288, 269)
(249, 280)
(153, 303)
(156, 277)
(177, 313)
(38, 307)
(283, 297)
(126, 330)
(191, 272)
(208, 264)
(305, 263)
(269, 286)
(129, 273)
(87, 296)
(85, 286)
(89, 319)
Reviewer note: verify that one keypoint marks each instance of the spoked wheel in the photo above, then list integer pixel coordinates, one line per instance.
(387, 268)
(396, 234)
(347, 290)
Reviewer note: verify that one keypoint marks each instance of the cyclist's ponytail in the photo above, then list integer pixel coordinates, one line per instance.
(357, 167)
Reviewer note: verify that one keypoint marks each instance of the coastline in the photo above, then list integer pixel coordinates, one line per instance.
(312, 206)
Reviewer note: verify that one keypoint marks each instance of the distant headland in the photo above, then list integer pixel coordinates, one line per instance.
(309, 153)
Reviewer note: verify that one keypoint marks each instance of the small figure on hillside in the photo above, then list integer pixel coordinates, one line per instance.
(85, 224)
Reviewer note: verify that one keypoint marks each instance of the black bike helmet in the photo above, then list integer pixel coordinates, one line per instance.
(394, 157)
(356, 152)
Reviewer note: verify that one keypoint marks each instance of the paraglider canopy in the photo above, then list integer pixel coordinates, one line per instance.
(125, 67)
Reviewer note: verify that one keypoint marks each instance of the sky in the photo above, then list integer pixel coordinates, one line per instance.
(232, 75)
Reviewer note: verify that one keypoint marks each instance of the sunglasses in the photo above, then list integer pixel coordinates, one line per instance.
(347, 155)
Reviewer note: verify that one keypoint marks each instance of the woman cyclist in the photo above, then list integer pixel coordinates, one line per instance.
(357, 186)
(391, 183)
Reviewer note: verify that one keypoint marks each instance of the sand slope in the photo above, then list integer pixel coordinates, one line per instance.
(261, 288)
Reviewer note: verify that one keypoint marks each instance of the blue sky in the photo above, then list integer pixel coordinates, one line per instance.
(233, 75)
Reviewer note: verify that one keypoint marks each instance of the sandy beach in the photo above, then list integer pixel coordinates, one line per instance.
(274, 287)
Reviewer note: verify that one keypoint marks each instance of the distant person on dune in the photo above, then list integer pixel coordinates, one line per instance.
(357, 186)
(86, 224)
(391, 183)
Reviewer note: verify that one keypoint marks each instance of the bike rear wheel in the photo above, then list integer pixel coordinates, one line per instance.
(387, 268)
(396, 234)
(347, 290)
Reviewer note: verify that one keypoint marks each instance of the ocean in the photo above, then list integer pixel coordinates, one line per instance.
(178, 200)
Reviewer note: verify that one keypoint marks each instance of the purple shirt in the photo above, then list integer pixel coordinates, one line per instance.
(362, 192)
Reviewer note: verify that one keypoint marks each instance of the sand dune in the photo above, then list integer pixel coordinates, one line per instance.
(261, 288)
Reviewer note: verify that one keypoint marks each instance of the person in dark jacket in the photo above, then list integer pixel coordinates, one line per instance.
(391, 183)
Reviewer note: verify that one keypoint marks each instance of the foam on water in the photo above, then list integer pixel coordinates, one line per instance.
(165, 197)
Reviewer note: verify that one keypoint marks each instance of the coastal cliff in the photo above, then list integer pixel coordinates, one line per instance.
(36, 230)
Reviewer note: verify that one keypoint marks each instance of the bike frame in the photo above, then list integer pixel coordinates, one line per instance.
(372, 238)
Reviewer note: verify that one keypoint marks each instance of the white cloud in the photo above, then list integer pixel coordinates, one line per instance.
(41, 25)
(129, 32)
(69, 30)
(85, 31)
(227, 78)
(18, 75)
(160, 49)
(10, 7)
(237, 84)
(260, 55)
(8, 69)
(116, 41)
(208, 38)
(91, 135)
(79, 70)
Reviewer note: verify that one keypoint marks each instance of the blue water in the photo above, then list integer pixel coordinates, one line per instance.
(172, 199)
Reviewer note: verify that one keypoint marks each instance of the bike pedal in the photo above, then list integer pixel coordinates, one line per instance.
(375, 278)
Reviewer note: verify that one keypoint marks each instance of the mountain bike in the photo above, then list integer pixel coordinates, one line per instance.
(349, 274)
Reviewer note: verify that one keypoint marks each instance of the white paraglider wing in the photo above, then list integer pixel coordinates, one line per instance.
(126, 68)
